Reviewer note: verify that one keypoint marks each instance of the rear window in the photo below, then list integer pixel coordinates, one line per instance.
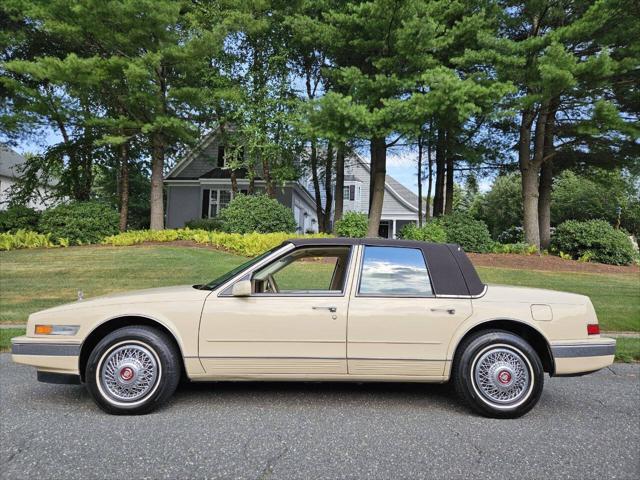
(394, 271)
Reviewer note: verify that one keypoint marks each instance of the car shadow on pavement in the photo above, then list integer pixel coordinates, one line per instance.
(328, 394)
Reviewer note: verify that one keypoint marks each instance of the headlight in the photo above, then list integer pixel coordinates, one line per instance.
(57, 329)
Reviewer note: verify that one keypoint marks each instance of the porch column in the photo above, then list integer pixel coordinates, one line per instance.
(393, 228)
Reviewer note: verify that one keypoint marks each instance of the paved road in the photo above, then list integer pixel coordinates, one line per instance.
(582, 428)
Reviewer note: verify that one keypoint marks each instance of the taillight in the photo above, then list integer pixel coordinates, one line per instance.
(593, 329)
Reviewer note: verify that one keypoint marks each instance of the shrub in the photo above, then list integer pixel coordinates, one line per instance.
(500, 207)
(19, 218)
(469, 233)
(256, 213)
(429, 232)
(80, 222)
(352, 225)
(209, 224)
(593, 240)
(519, 248)
(249, 244)
(29, 239)
(513, 234)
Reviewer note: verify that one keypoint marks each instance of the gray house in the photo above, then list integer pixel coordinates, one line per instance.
(11, 165)
(199, 186)
(399, 207)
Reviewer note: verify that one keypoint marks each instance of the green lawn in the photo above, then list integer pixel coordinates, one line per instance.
(31, 280)
(628, 349)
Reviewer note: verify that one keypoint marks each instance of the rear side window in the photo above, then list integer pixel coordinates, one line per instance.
(394, 271)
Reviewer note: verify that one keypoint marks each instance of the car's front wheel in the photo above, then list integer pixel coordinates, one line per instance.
(498, 374)
(133, 370)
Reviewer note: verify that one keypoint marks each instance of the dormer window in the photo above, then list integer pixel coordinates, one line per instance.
(221, 160)
(349, 192)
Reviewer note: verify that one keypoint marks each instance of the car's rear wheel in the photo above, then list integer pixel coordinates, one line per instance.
(133, 370)
(498, 374)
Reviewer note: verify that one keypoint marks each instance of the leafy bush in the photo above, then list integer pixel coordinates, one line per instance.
(209, 224)
(500, 207)
(593, 240)
(19, 218)
(249, 244)
(29, 239)
(256, 213)
(80, 222)
(352, 225)
(469, 233)
(429, 232)
(513, 234)
(520, 248)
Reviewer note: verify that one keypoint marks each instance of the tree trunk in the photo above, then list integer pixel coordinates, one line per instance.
(544, 204)
(328, 188)
(546, 180)
(438, 199)
(420, 180)
(316, 185)
(234, 183)
(339, 200)
(124, 186)
(266, 174)
(430, 180)
(448, 206)
(157, 167)
(379, 173)
(530, 170)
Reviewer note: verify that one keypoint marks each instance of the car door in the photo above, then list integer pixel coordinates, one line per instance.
(396, 324)
(293, 323)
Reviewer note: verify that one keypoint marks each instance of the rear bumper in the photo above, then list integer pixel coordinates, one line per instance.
(582, 357)
(46, 356)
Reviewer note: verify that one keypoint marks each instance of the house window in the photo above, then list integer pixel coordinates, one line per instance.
(219, 199)
(349, 192)
(221, 156)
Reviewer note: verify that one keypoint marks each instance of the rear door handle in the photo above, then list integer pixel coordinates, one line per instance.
(331, 309)
(450, 311)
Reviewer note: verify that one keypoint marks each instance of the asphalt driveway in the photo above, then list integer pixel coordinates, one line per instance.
(586, 427)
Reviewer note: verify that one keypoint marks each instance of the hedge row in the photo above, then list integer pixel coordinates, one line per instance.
(247, 244)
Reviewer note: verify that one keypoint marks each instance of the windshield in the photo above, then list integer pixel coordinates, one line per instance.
(232, 273)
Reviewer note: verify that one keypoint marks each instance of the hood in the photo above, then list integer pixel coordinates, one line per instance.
(501, 293)
(182, 293)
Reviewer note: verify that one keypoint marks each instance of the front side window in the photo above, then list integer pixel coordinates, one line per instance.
(312, 270)
(394, 271)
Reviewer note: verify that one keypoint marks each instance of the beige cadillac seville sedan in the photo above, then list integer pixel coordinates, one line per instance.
(323, 309)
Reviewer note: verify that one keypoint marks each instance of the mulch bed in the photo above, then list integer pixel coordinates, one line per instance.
(546, 263)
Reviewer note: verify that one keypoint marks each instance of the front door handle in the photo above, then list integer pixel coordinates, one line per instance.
(450, 311)
(331, 309)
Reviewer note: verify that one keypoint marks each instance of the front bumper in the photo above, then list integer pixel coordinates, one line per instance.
(583, 356)
(51, 356)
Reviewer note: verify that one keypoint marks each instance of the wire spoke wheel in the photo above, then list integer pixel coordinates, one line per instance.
(502, 376)
(129, 372)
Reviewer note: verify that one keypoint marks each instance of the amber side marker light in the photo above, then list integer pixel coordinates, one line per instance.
(593, 329)
(56, 329)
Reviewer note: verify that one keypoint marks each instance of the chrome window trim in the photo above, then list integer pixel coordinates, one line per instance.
(281, 253)
(481, 294)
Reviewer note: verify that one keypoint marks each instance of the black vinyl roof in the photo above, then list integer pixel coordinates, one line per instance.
(452, 273)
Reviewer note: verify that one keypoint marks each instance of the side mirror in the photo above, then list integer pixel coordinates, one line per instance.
(241, 288)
